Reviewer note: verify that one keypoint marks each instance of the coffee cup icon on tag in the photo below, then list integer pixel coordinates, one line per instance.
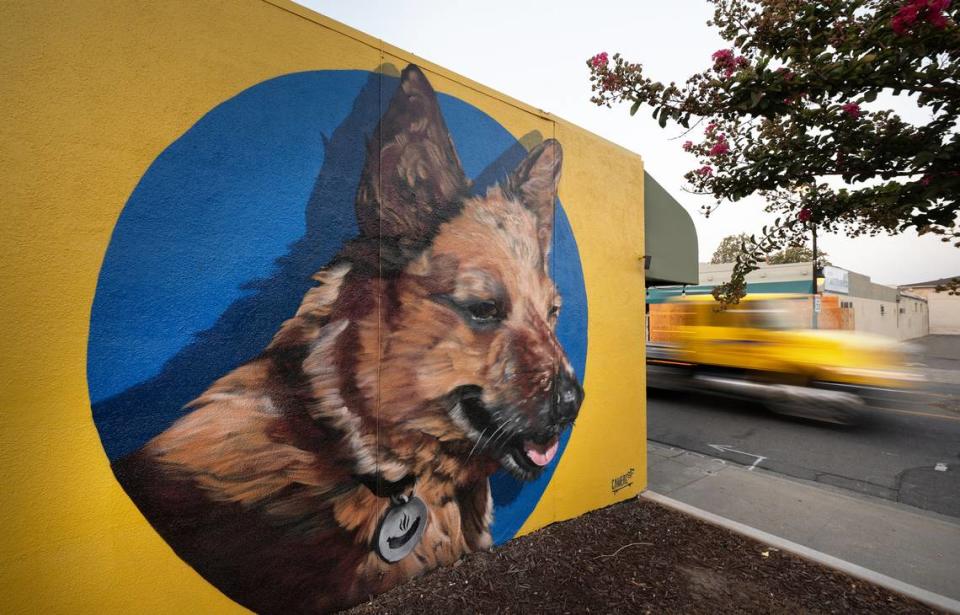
(401, 529)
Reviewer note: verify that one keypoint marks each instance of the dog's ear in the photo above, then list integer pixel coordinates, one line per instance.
(412, 180)
(534, 183)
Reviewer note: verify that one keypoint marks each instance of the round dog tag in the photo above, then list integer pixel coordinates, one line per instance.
(401, 528)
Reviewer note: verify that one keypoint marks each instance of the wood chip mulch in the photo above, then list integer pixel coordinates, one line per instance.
(636, 557)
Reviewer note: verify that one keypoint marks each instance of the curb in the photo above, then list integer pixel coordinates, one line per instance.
(941, 376)
(911, 591)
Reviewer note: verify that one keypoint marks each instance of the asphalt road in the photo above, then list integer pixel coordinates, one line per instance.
(895, 455)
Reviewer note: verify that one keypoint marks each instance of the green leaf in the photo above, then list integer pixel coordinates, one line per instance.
(780, 145)
(635, 107)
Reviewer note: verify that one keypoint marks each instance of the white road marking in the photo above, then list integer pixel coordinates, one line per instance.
(726, 448)
(940, 467)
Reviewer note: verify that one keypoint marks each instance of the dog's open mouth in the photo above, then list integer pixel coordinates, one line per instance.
(541, 454)
(520, 452)
(526, 459)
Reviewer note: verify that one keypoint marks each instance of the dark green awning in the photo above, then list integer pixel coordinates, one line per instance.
(671, 239)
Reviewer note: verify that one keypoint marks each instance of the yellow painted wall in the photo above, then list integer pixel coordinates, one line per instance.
(93, 93)
(610, 437)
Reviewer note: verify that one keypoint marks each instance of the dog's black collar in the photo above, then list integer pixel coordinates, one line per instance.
(383, 488)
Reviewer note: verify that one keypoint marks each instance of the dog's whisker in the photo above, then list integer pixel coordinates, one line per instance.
(504, 436)
(494, 434)
(508, 433)
(484, 445)
(475, 444)
(496, 444)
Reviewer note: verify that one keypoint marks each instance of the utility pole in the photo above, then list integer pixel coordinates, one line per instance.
(813, 273)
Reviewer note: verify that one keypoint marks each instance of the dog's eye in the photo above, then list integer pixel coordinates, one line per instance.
(553, 312)
(484, 311)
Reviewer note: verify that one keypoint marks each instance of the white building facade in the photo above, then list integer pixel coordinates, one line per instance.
(848, 300)
(944, 307)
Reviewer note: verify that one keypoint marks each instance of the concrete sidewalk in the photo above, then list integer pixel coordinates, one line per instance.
(940, 356)
(914, 546)
(939, 351)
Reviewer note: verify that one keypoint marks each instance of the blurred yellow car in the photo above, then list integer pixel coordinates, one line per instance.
(763, 349)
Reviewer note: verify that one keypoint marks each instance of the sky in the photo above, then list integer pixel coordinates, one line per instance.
(535, 51)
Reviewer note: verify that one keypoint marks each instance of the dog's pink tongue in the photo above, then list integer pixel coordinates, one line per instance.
(541, 454)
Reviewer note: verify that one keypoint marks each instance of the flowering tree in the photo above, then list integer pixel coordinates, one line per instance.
(790, 111)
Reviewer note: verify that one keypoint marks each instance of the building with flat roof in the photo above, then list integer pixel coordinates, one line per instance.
(944, 307)
(843, 299)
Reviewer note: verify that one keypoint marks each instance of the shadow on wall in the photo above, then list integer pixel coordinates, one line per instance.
(246, 327)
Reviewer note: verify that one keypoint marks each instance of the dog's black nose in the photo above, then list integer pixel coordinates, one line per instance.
(569, 397)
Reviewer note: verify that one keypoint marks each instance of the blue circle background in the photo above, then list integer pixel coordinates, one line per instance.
(216, 246)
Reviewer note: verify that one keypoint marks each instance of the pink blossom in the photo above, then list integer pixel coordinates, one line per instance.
(851, 109)
(935, 9)
(916, 11)
(719, 148)
(711, 127)
(904, 18)
(724, 60)
(937, 20)
(706, 170)
(687, 146)
(804, 214)
(722, 56)
(926, 179)
(599, 60)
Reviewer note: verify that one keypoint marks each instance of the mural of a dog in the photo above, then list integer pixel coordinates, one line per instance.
(424, 360)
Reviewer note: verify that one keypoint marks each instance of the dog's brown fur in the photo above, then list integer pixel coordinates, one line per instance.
(257, 486)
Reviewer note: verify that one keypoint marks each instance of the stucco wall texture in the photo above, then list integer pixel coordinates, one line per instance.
(944, 310)
(93, 94)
